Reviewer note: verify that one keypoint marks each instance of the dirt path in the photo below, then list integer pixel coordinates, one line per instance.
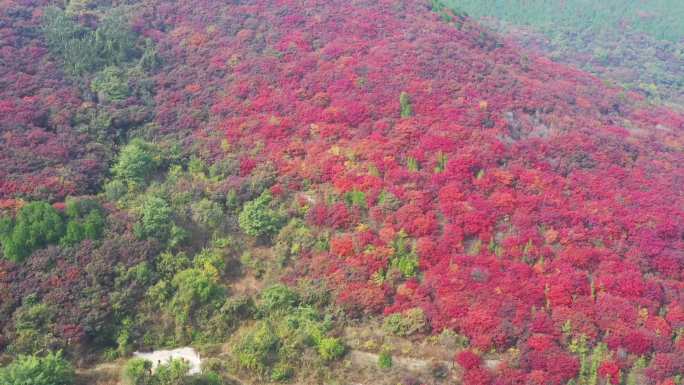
(361, 358)
(103, 374)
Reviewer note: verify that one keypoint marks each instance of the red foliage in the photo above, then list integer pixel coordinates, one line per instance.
(342, 246)
(532, 194)
(41, 154)
(468, 360)
(611, 371)
(477, 376)
(664, 365)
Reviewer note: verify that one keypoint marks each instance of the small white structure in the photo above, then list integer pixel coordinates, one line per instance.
(187, 354)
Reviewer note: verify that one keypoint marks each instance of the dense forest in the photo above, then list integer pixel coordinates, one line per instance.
(342, 192)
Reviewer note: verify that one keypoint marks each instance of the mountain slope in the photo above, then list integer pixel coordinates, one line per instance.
(534, 197)
(436, 172)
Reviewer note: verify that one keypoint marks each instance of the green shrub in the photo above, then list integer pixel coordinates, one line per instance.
(277, 343)
(206, 378)
(77, 7)
(404, 258)
(232, 201)
(407, 323)
(388, 201)
(385, 360)
(282, 372)
(278, 298)
(590, 359)
(211, 261)
(51, 369)
(168, 264)
(228, 317)
(292, 239)
(407, 265)
(258, 349)
(175, 372)
(257, 218)
(452, 340)
(356, 198)
(178, 236)
(441, 162)
(636, 372)
(258, 265)
(412, 164)
(330, 348)
(137, 371)
(33, 328)
(197, 167)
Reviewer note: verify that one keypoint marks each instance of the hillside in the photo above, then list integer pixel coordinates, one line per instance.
(637, 44)
(295, 187)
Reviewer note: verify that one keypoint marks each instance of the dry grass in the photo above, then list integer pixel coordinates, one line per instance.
(103, 374)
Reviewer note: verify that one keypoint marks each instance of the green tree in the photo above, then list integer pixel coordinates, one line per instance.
(405, 102)
(85, 50)
(155, 219)
(93, 225)
(115, 41)
(80, 207)
(74, 234)
(33, 370)
(149, 60)
(85, 220)
(195, 289)
(257, 218)
(77, 7)
(36, 225)
(111, 84)
(136, 163)
(168, 264)
(208, 213)
(6, 227)
(69, 40)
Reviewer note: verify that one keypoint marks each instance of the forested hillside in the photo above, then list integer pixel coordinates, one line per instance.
(329, 192)
(635, 44)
